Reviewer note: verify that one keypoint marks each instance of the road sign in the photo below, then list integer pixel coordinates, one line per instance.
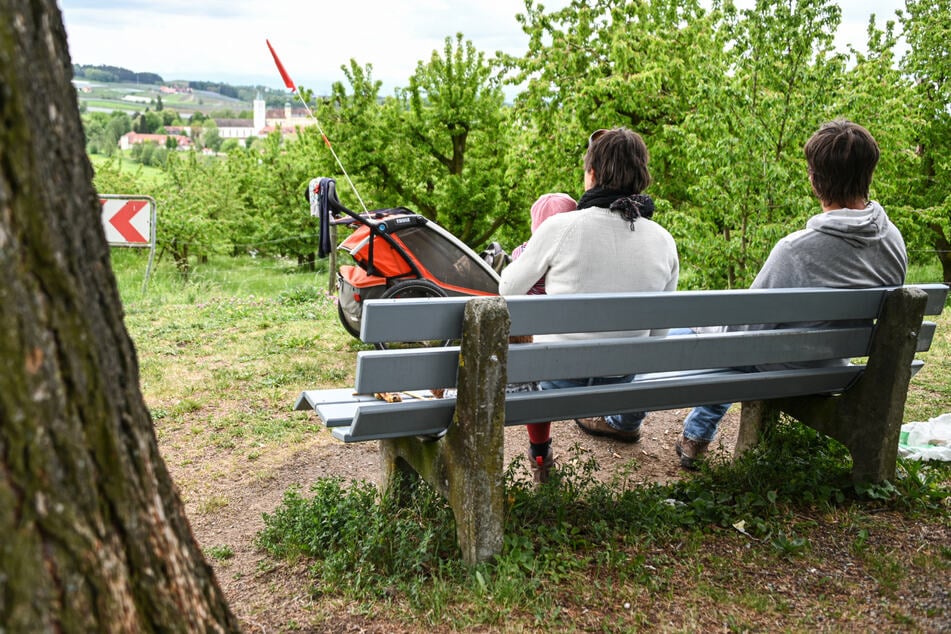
(128, 221)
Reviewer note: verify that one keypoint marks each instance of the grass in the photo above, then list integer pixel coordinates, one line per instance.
(618, 551)
(777, 540)
(144, 173)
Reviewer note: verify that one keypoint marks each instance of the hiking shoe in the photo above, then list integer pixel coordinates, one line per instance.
(541, 466)
(597, 426)
(691, 452)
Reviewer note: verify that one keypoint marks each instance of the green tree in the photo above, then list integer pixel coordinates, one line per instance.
(437, 147)
(199, 209)
(927, 30)
(230, 145)
(148, 123)
(607, 63)
(210, 138)
(455, 119)
(272, 180)
(742, 145)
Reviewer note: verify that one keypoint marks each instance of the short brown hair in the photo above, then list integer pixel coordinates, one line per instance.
(841, 156)
(619, 159)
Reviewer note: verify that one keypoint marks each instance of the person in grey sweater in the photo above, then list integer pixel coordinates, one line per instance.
(851, 244)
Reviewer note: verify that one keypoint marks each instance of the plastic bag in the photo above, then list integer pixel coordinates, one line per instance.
(930, 440)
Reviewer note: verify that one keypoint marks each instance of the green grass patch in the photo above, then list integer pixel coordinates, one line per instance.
(577, 534)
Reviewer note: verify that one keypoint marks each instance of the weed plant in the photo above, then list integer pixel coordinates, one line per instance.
(364, 545)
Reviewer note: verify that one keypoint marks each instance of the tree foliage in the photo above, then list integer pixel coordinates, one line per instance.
(724, 97)
(927, 25)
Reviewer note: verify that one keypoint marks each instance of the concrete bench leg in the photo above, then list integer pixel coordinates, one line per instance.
(867, 418)
(755, 418)
(466, 465)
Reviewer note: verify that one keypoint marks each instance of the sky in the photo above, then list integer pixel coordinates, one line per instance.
(225, 40)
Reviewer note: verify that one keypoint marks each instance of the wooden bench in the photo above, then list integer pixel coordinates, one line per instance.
(456, 444)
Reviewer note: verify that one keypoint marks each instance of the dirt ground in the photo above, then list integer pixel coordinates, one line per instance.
(226, 497)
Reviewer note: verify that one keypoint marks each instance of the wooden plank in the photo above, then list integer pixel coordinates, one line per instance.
(398, 420)
(340, 414)
(380, 420)
(409, 369)
(394, 420)
(926, 336)
(311, 398)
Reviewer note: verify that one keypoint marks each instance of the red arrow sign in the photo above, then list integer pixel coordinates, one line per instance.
(122, 221)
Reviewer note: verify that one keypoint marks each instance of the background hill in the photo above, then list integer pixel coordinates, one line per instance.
(108, 88)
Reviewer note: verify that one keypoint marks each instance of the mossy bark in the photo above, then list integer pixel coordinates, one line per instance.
(93, 536)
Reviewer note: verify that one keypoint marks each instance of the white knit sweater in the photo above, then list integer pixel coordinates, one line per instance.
(593, 250)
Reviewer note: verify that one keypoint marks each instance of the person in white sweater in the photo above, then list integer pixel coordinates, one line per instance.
(610, 244)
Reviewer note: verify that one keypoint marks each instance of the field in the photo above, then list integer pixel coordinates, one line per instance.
(624, 541)
(109, 97)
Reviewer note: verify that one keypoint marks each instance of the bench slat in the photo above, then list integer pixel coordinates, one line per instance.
(310, 399)
(926, 336)
(398, 420)
(394, 370)
(422, 319)
(392, 420)
(378, 420)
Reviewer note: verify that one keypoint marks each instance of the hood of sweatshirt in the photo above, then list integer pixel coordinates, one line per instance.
(859, 227)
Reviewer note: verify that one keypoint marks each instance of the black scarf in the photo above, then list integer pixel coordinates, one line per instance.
(631, 207)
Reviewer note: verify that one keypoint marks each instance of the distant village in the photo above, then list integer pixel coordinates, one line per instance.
(265, 121)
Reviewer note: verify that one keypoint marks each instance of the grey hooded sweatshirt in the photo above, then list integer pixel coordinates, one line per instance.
(844, 248)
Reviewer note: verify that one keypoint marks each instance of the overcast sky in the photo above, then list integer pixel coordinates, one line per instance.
(224, 40)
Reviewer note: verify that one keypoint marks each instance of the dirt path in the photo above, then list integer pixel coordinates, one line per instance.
(226, 495)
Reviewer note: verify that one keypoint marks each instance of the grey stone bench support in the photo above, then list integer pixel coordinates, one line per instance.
(466, 464)
(867, 417)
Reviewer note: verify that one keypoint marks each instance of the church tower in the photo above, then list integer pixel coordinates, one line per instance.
(260, 111)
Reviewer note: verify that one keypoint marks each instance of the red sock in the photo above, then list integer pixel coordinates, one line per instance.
(539, 433)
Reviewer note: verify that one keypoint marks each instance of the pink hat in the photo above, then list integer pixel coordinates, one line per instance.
(550, 204)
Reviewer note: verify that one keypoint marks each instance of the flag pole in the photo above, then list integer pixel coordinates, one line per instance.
(290, 84)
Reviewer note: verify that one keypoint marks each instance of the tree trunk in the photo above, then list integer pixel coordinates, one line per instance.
(93, 536)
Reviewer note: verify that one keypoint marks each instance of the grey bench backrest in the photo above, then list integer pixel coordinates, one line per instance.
(422, 319)
(414, 369)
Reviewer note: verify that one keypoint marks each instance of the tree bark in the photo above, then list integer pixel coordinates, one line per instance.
(93, 536)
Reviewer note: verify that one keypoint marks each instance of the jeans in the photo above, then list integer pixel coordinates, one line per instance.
(629, 421)
(703, 421)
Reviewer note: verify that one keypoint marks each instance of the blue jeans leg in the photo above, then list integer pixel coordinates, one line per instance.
(703, 421)
(628, 421)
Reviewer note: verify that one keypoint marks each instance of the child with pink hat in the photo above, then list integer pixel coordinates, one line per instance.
(544, 208)
(539, 434)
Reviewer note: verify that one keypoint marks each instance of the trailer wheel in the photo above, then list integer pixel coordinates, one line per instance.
(354, 332)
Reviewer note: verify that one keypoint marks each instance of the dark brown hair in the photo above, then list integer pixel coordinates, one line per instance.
(619, 160)
(841, 156)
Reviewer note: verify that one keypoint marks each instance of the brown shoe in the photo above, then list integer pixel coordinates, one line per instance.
(597, 426)
(691, 452)
(541, 466)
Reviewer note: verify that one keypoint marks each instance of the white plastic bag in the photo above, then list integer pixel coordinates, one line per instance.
(930, 440)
